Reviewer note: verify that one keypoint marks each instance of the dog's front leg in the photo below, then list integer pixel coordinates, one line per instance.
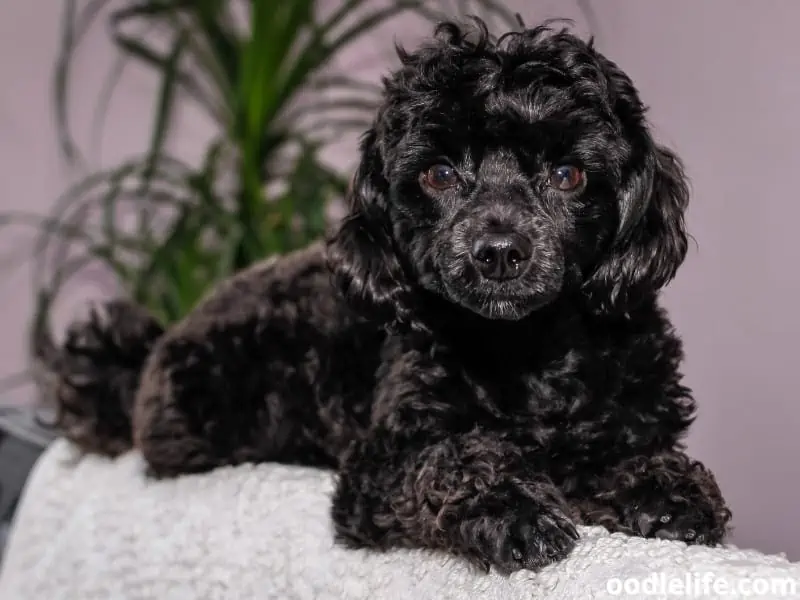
(432, 473)
(668, 496)
(469, 494)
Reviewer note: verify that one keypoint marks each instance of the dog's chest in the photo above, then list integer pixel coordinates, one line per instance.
(563, 405)
(531, 391)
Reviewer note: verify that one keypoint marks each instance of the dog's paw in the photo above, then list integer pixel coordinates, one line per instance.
(522, 537)
(683, 518)
(674, 499)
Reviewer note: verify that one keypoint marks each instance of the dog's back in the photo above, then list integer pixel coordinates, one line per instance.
(251, 354)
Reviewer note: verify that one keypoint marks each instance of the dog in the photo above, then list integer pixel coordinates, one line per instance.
(477, 349)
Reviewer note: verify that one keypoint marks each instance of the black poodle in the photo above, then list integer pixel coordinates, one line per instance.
(478, 351)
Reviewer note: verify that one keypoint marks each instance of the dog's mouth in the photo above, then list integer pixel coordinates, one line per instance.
(494, 302)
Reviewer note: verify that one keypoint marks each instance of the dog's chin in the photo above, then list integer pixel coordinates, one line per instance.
(503, 310)
(503, 306)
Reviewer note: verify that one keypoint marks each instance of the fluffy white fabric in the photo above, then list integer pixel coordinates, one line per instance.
(93, 528)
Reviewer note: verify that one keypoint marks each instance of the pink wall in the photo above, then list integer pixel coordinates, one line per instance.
(724, 85)
(723, 81)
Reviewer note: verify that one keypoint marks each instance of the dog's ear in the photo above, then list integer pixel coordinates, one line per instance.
(361, 252)
(651, 240)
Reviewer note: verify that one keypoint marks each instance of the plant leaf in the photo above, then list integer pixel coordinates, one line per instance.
(164, 110)
(74, 26)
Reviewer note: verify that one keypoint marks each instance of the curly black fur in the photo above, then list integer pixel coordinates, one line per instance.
(478, 413)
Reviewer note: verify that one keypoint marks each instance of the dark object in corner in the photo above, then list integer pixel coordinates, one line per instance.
(22, 441)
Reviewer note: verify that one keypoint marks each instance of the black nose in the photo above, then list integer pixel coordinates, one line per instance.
(501, 256)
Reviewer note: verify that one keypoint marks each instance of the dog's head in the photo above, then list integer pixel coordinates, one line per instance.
(503, 173)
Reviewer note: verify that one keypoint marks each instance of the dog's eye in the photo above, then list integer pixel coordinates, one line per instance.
(565, 178)
(440, 177)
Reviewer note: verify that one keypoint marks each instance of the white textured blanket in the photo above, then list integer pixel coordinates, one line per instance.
(92, 528)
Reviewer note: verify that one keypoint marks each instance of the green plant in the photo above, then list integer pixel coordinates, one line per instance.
(169, 230)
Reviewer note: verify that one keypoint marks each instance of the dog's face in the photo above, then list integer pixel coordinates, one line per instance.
(498, 192)
(503, 174)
